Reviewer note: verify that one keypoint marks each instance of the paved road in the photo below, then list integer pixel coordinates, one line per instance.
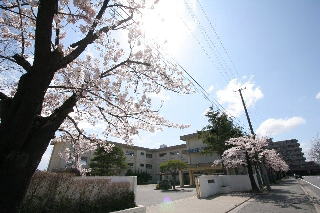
(313, 183)
(147, 196)
(286, 197)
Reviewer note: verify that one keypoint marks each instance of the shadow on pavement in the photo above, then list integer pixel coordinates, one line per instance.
(284, 198)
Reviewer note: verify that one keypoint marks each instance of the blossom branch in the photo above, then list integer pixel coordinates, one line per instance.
(126, 62)
(90, 38)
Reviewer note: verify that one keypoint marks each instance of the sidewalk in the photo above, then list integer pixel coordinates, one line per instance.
(286, 197)
(217, 204)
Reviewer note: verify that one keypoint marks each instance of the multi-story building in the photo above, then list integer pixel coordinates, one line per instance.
(149, 160)
(137, 158)
(291, 153)
(198, 162)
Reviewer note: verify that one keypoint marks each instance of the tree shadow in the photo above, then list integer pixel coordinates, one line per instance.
(284, 199)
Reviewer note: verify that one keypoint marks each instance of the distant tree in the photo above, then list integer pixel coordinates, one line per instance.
(173, 167)
(220, 129)
(106, 163)
(315, 150)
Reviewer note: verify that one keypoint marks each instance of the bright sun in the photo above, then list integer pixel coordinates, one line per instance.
(165, 24)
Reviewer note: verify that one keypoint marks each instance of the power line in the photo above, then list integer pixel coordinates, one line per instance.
(221, 61)
(219, 38)
(193, 81)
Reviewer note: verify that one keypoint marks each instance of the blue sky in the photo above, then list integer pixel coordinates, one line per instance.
(274, 46)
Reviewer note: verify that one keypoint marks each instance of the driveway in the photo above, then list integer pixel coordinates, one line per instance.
(147, 196)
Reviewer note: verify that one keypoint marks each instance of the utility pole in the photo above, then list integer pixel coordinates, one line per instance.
(263, 171)
(245, 109)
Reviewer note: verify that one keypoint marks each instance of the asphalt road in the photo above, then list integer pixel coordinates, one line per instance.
(147, 196)
(313, 183)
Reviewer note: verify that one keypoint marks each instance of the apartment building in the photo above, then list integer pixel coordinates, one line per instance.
(291, 153)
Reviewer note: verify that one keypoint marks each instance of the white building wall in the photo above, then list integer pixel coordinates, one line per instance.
(208, 185)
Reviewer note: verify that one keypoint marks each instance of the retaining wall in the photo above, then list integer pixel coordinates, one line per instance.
(209, 185)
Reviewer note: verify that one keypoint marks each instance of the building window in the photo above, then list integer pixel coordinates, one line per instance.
(141, 165)
(148, 166)
(130, 152)
(162, 154)
(130, 165)
(149, 155)
(174, 153)
(142, 153)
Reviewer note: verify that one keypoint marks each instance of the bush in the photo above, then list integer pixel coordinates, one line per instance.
(52, 192)
(142, 177)
(164, 185)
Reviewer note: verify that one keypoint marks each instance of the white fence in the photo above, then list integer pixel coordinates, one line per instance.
(208, 185)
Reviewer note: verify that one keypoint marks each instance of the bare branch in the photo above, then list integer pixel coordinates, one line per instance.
(12, 11)
(122, 6)
(74, 15)
(12, 6)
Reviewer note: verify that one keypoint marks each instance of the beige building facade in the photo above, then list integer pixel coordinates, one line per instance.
(149, 160)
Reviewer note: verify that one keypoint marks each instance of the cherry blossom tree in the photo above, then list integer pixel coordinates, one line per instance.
(66, 61)
(248, 151)
(315, 149)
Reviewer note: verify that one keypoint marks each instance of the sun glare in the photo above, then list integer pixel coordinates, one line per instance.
(165, 24)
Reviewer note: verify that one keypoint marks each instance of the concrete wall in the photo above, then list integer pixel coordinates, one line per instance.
(208, 185)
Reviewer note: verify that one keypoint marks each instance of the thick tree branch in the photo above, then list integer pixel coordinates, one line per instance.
(4, 96)
(59, 114)
(20, 60)
(43, 32)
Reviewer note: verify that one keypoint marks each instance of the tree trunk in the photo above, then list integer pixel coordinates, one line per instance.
(265, 176)
(18, 161)
(16, 172)
(250, 172)
(173, 181)
(259, 178)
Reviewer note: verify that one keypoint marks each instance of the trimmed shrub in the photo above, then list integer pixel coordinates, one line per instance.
(142, 177)
(52, 192)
